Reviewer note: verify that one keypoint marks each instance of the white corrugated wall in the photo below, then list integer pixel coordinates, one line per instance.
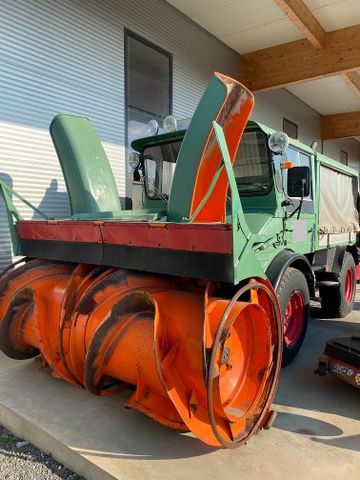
(68, 56)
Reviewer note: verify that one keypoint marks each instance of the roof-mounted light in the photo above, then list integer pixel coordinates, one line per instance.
(153, 127)
(170, 124)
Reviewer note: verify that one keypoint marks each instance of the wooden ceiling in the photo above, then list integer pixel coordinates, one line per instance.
(311, 47)
(320, 54)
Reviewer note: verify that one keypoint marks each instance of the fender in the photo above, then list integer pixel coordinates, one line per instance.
(288, 258)
(353, 250)
(335, 266)
(339, 258)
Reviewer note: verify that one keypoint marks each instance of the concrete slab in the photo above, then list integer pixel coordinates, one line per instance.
(316, 435)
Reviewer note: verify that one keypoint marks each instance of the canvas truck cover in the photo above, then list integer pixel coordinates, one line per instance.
(337, 204)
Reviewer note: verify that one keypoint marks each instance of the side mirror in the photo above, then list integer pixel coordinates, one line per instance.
(298, 182)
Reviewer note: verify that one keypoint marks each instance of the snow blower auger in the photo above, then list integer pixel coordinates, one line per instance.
(170, 303)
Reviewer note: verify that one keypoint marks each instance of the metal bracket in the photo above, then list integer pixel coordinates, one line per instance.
(13, 214)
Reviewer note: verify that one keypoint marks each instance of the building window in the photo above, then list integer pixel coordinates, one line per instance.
(148, 84)
(344, 157)
(290, 128)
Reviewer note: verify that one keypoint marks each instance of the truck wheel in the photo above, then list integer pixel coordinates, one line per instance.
(338, 301)
(293, 295)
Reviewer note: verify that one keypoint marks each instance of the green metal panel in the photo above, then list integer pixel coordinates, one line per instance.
(13, 214)
(245, 263)
(140, 143)
(88, 176)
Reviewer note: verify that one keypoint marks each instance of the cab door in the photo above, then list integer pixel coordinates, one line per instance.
(299, 212)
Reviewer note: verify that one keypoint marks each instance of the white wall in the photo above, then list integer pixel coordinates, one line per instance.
(350, 145)
(271, 107)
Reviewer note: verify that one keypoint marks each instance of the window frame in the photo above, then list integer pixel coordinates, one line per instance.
(169, 55)
(308, 202)
(346, 155)
(293, 124)
(142, 161)
(269, 162)
(310, 197)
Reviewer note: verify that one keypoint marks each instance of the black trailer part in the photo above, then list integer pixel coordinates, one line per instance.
(342, 359)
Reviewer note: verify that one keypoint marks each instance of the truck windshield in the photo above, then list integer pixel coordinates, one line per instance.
(159, 165)
(251, 167)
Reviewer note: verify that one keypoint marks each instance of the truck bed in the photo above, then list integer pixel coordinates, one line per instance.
(192, 250)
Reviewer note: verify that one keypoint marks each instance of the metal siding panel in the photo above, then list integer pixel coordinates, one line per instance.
(271, 107)
(351, 146)
(68, 56)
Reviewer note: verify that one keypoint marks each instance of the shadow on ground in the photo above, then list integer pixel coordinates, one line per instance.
(300, 388)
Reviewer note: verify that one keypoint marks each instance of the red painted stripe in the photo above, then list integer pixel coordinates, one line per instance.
(201, 238)
(61, 230)
(193, 237)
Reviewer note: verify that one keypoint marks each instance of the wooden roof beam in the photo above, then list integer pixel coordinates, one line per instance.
(304, 20)
(298, 61)
(340, 125)
(353, 80)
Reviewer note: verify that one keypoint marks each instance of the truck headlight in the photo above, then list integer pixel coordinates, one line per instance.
(133, 160)
(278, 142)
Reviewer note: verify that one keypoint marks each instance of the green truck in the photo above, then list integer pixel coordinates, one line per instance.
(193, 299)
(298, 215)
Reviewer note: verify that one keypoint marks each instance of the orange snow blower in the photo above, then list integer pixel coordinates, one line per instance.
(171, 303)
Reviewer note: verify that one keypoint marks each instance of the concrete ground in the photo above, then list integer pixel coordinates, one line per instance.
(316, 434)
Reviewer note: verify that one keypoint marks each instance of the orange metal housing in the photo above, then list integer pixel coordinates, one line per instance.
(195, 361)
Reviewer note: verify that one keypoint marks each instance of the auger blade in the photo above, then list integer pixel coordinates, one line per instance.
(197, 362)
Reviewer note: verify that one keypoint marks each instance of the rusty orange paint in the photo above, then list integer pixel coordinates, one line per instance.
(197, 362)
(232, 117)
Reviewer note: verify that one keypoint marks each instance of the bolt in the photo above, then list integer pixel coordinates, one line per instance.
(225, 356)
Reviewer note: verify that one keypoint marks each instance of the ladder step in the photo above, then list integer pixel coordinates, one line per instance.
(327, 284)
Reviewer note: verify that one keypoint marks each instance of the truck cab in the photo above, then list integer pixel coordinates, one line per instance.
(261, 172)
(278, 181)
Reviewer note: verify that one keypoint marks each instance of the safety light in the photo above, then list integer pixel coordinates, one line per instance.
(170, 124)
(278, 142)
(153, 127)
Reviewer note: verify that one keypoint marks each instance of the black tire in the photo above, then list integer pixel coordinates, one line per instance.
(334, 303)
(293, 282)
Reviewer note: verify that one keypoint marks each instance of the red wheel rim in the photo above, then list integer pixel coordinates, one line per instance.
(294, 318)
(349, 285)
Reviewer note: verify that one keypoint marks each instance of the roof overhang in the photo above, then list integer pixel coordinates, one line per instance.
(311, 47)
